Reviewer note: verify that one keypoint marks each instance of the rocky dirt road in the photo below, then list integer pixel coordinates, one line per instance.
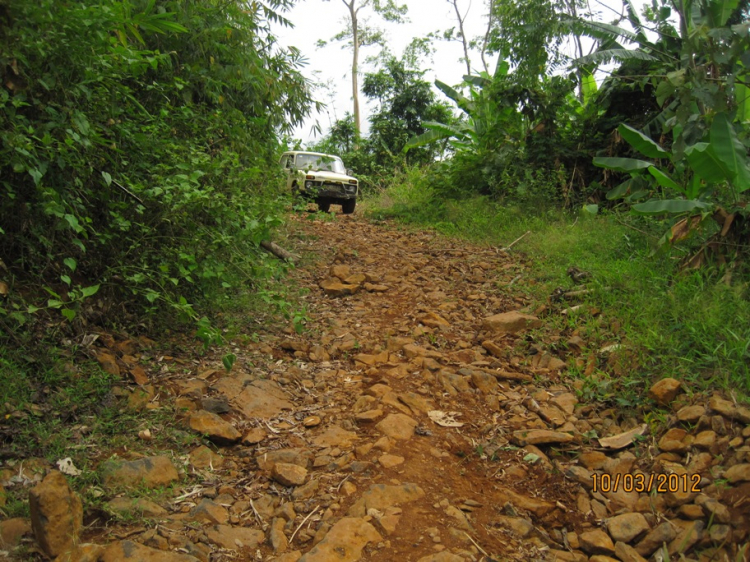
(425, 415)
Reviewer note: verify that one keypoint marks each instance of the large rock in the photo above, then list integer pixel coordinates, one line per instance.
(510, 322)
(664, 391)
(212, 426)
(398, 426)
(235, 538)
(129, 550)
(56, 515)
(627, 553)
(344, 542)
(150, 472)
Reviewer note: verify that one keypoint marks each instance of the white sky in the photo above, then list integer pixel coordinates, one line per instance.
(319, 19)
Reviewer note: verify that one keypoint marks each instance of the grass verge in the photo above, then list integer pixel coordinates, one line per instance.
(688, 325)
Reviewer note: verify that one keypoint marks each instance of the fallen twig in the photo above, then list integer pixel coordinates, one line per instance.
(294, 534)
(277, 251)
(516, 241)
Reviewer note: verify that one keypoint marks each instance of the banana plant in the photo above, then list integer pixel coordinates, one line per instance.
(483, 114)
(722, 160)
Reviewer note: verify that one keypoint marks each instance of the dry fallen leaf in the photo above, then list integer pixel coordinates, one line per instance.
(623, 439)
(445, 419)
(66, 466)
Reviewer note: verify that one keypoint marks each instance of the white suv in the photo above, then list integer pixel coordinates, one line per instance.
(322, 178)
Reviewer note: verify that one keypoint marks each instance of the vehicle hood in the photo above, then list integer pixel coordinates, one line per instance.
(331, 176)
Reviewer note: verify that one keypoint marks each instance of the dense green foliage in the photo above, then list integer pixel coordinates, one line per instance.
(405, 102)
(138, 148)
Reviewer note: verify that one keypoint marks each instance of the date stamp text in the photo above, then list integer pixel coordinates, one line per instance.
(658, 483)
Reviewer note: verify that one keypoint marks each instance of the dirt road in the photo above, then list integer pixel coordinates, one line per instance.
(425, 415)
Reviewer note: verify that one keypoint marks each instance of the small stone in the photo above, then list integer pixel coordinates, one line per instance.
(216, 429)
(627, 526)
(254, 436)
(389, 461)
(510, 322)
(242, 539)
(540, 437)
(335, 288)
(209, 511)
(738, 473)
(128, 550)
(149, 472)
(705, 439)
(344, 542)
(56, 514)
(517, 525)
(596, 542)
(276, 536)
(663, 533)
(202, 457)
(137, 506)
(311, 421)
(12, 531)
(369, 416)
(627, 553)
(690, 414)
(397, 426)
(288, 474)
(664, 391)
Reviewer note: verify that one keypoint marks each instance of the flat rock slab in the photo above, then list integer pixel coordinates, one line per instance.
(510, 322)
(129, 550)
(212, 426)
(344, 542)
(335, 436)
(260, 398)
(398, 426)
(383, 496)
(139, 506)
(235, 538)
(149, 472)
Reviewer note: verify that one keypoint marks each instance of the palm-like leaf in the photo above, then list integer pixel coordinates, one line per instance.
(608, 55)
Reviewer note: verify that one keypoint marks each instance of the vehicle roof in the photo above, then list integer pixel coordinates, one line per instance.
(295, 152)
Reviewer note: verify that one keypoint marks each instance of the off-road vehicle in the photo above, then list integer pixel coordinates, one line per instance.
(321, 178)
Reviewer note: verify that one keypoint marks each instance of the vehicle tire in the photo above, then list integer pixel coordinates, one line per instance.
(347, 206)
(324, 205)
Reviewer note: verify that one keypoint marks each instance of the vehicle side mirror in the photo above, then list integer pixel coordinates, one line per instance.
(350, 172)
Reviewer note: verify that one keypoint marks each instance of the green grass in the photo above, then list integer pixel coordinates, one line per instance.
(688, 325)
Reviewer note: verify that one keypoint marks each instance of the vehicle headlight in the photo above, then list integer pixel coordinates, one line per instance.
(308, 184)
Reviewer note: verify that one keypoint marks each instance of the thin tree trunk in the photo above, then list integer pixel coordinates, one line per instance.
(491, 6)
(355, 68)
(463, 35)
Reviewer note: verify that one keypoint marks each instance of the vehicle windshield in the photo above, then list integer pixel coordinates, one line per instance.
(318, 162)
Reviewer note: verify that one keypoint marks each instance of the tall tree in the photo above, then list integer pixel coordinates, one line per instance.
(461, 32)
(358, 34)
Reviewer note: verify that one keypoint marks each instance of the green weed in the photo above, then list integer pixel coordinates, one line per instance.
(690, 326)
